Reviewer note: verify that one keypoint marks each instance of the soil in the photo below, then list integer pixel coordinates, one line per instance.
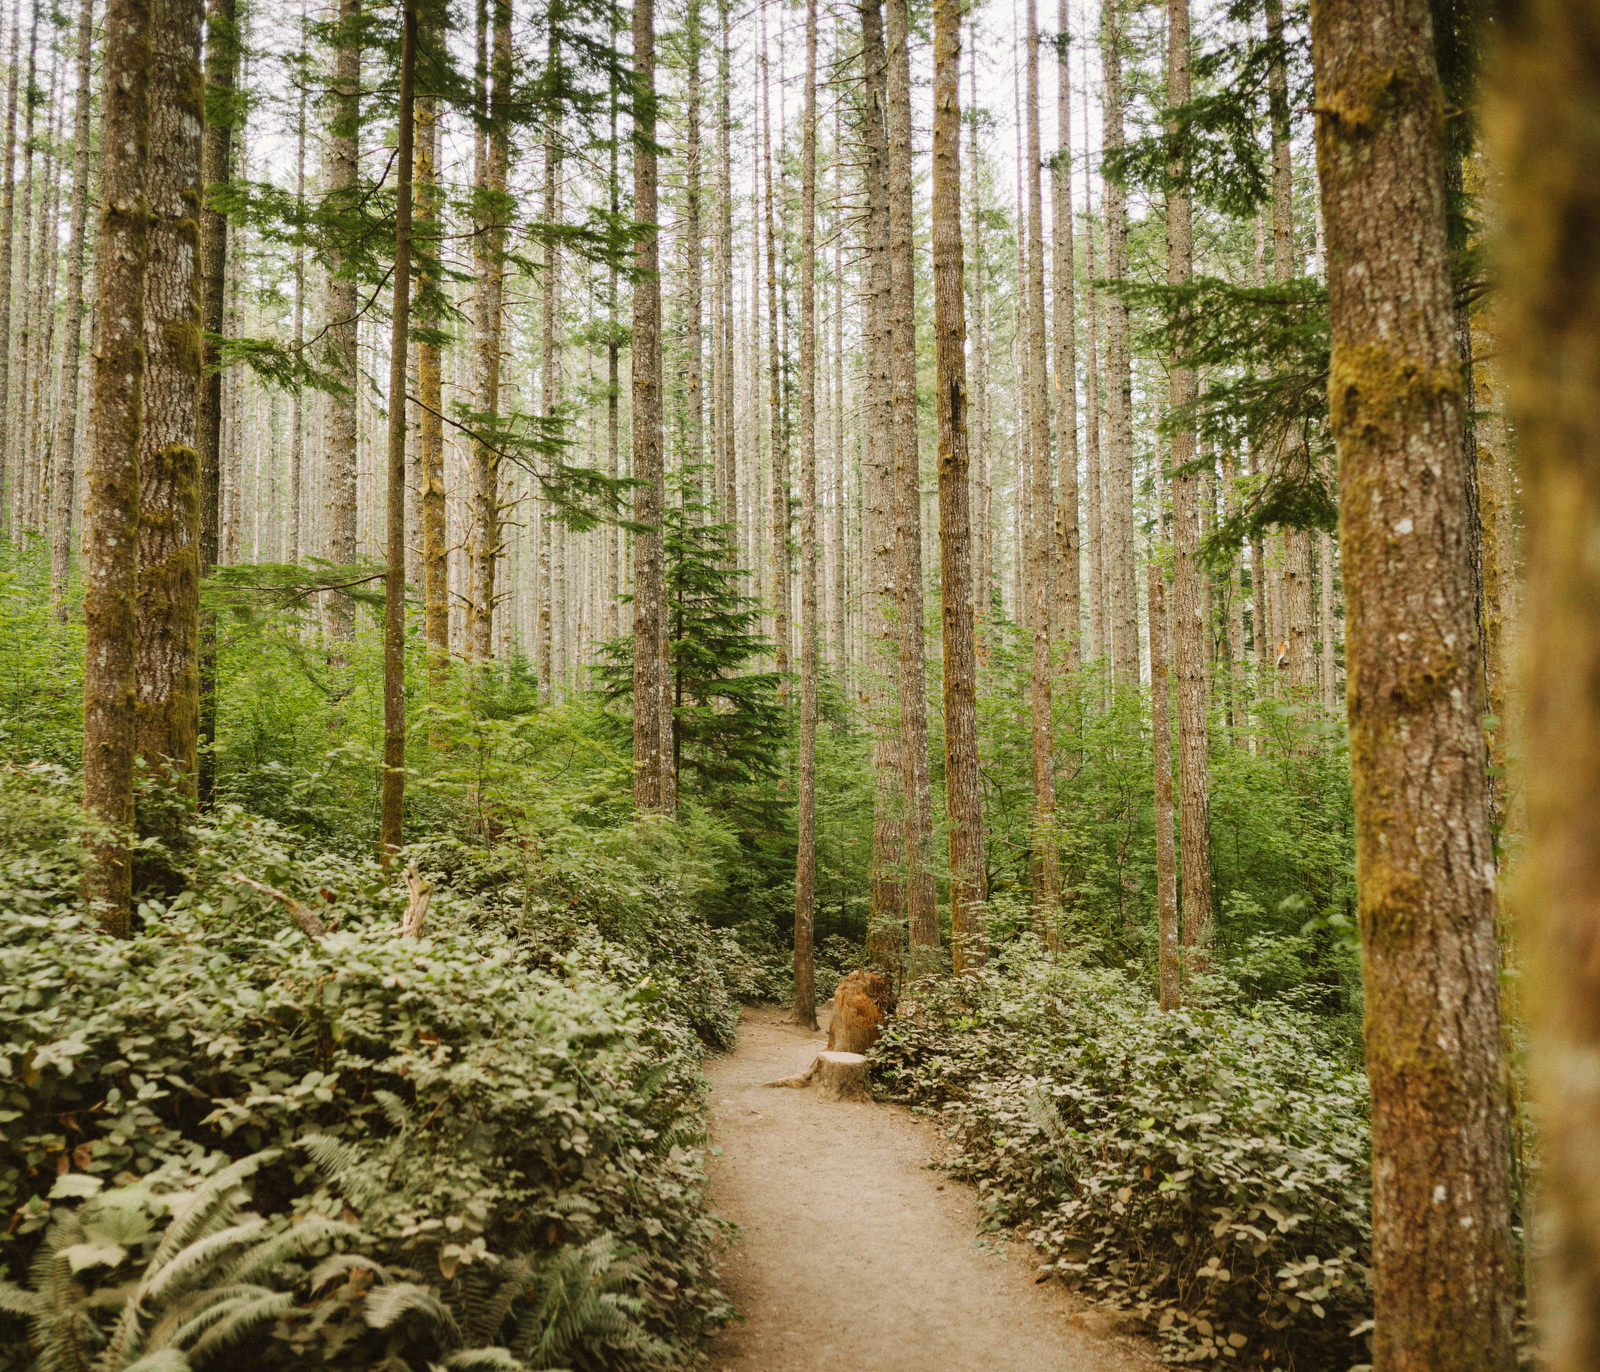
(855, 1253)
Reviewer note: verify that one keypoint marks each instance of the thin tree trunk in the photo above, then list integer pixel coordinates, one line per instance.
(394, 582)
(549, 378)
(1099, 645)
(694, 281)
(494, 213)
(15, 414)
(111, 497)
(430, 391)
(166, 662)
(963, 788)
(297, 425)
(1443, 1266)
(652, 703)
(1119, 420)
(1044, 571)
(983, 553)
(1543, 140)
(1189, 602)
(1170, 986)
(921, 911)
(10, 461)
(805, 881)
(63, 491)
(341, 430)
(610, 571)
(886, 911)
(1070, 596)
(779, 438)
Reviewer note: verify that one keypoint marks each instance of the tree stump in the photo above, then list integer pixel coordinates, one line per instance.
(837, 1076)
(861, 1008)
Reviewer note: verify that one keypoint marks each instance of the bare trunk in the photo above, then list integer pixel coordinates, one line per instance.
(922, 918)
(1170, 986)
(1069, 613)
(1443, 1267)
(63, 491)
(963, 788)
(1543, 140)
(778, 438)
(430, 391)
(10, 463)
(111, 497)
(1188, 598)
(805, 881)
(166, 663)
(394, 581)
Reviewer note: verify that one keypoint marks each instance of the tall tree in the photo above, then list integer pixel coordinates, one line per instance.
(430, 391)
(1544, 139)
(1167, 964)
(962, 785)
(778, 449)
(1441, 1240)
(652, 705)
(63, 489)
(983, 555)
(886, 907)
(111, 495)
(1068, 551)
(216, 164)
(549, 361)
(166, 664)
(493, 224)
(805, 880)
(922, 921)
(394, 582)
(10, 467)
(1043, 573)
(1124, 609)
(1192, 626)
(340, 428)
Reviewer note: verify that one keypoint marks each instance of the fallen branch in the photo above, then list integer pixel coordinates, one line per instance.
(417, 906)
(310, 922)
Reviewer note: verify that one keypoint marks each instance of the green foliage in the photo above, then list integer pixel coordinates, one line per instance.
(1208, 1168)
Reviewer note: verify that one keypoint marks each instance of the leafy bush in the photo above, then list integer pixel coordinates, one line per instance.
(1210, 1168)
(478, 1096)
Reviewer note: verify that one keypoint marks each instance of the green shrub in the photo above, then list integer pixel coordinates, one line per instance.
(1210, 1168)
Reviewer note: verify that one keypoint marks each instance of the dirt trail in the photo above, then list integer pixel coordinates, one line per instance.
(854, 1255)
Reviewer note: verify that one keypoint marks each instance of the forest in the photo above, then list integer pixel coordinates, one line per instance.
(1031, 575)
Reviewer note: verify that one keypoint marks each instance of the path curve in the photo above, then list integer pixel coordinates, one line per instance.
(853, 1254)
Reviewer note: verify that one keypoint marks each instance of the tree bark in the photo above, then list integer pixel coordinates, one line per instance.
(652, 704)
(1069, 628)
(549, 367)
(166, 663)
(1189, 607)
(111, 496)
(1043, 569)
(1168, 967)
(1543, 139)
(493, 223)
(778, 437)
(983, 554)
(394, 582)
(340, 428)
(886, 910)
(805, 880)
(430, 391)
(922, 916)
(962, 785)
(8, 213)
(1099, 644)
(63, 493)
(1123, 623)
(1443, 1267)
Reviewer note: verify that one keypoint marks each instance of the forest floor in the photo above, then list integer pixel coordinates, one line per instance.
(853, 1252)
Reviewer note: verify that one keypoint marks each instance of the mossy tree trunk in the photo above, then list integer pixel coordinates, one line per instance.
(111, 495)
(1443, 1269)
(1544, 139)
(168, 608)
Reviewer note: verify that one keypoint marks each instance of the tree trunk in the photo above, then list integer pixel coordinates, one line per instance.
(779, 438)
(549, 367)
(805, 880)
(983, 555)
(394, 581)
(1099, 645)
(1069, 606)
(1124, 627)
(962, 786)
(1443, 1268)
(1544, 141)
(886, 911)
(340, 432)
(297, 419)
(111, 495)
(922, 916)
(652, 703)
(430, 391)
(63, 486)
(1043, 570)
(1170, 986)
(487, 538)
(166, 664)
(1189, 610)
(10, 462)
(15, 413)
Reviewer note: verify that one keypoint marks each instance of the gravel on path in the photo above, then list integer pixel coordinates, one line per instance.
(854, 1255)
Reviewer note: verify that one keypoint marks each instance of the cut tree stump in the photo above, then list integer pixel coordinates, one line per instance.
(837, 1076)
